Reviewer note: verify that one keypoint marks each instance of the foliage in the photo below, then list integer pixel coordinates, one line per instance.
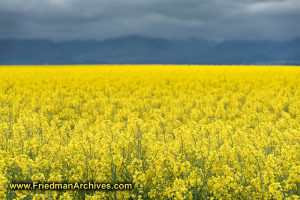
(180, 132)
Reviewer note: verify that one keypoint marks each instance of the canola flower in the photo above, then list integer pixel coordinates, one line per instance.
(178, 132)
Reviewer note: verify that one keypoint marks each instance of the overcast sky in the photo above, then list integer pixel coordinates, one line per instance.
(100, 19)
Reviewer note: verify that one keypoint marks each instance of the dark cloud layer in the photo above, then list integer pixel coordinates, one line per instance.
(100, 19)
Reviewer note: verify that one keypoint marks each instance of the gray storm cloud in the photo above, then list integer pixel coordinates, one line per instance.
(100, 19)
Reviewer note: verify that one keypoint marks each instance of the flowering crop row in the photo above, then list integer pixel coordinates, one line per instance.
(180, 132)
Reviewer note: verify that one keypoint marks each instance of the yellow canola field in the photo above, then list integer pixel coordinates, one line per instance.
(178, 132)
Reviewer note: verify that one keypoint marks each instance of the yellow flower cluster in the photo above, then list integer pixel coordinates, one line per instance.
(179, 132)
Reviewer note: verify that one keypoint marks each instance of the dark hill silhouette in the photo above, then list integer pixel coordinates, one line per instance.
(146, 50)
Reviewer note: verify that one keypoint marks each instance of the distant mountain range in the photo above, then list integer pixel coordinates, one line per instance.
(145, 50)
